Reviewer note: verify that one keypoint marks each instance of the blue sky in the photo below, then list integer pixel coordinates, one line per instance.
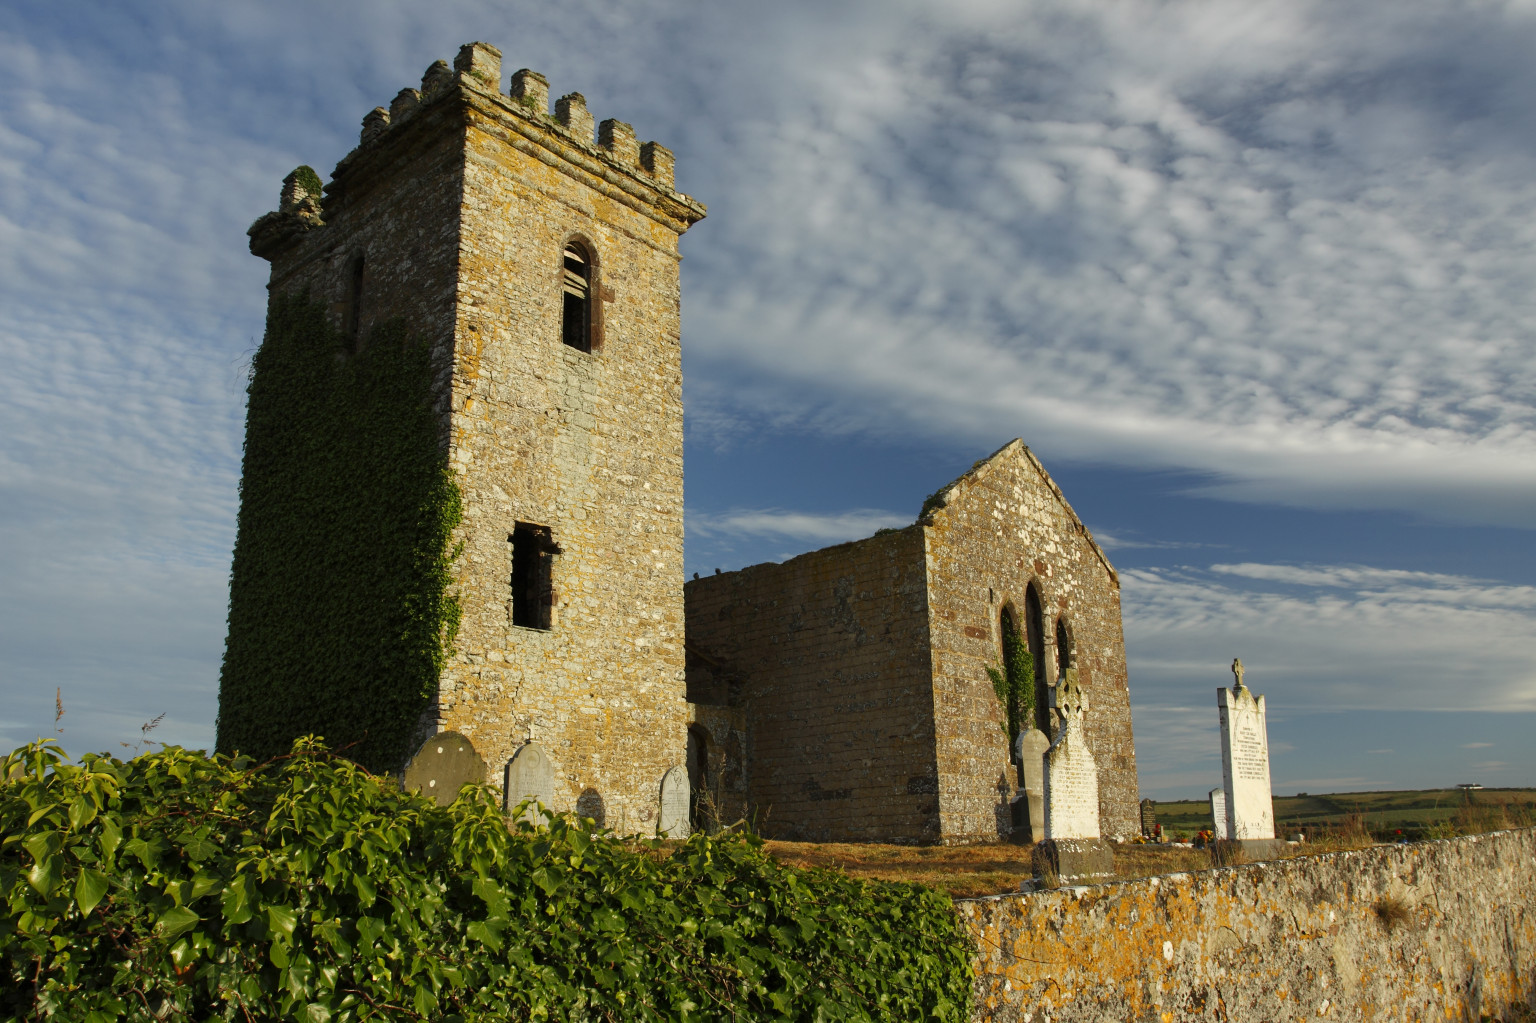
(1253, 280)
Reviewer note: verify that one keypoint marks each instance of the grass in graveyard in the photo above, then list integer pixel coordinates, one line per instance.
(963, 871)
(968, 871)
(1353, 820)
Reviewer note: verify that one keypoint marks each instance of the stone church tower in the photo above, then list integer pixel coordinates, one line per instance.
(540, 268)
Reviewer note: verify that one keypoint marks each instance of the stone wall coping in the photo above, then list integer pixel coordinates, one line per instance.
(1109, 888)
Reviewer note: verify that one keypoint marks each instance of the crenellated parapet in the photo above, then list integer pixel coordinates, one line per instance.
(640, 173)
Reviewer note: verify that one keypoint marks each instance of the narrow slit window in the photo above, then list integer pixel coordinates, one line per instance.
(352, 319)
(533, 555)
(1034, 633)
(576, 284)
(1063, 649)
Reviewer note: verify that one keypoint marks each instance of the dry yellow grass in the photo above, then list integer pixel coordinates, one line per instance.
(968, 871)
(960, 870)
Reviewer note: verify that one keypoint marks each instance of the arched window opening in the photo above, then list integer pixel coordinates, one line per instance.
(576, 283)
(352, 315)
(1034, 630)
(1063, 650)
(1014, 681)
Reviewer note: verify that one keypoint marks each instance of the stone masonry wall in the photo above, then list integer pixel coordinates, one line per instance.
(398, 209)
(1431, 931)
(587, 443)
(997, 529)
(831, 652)
(462, 200)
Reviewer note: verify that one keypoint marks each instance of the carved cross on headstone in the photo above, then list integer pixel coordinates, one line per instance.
(1237, 671)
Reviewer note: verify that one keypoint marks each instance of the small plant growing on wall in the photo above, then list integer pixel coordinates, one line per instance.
(1014, 682)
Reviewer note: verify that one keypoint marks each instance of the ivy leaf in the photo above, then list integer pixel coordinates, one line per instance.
(42, 876)
(235, 902)
(199, 848)
(90, 888)
(282, 920)
(314, 1012)
(176, 920)
(81, 812)
(203, 883)
(43, 845)
(366, 892)
(111, 838)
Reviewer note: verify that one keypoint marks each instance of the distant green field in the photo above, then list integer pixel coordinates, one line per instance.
(1416, 814)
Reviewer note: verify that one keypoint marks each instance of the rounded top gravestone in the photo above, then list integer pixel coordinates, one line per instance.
(530, 775)
(676, 794)
(442, 765)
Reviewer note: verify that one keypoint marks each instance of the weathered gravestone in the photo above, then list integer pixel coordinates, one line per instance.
(530, 775)
(676, 796)
(442, 765)
(1148, 819)
(1072, 850)
(1250, 809)
(1219, 815)
(1029, 808)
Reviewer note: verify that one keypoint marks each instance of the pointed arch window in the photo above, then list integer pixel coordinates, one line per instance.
(576, 285)
(1063, 649)
(1034, 634)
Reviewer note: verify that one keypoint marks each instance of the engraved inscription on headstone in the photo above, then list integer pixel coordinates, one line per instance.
(1219, 814)
(1250, 810)
(530, 775)
(1071, 778)
(675, 799)
(1148, 819)
(1072, 850)
(442, 766)
(1029, 809)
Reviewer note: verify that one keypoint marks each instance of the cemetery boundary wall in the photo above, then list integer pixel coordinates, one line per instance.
(1442, 930)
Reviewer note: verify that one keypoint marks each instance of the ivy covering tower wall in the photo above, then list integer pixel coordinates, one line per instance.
(340, 611)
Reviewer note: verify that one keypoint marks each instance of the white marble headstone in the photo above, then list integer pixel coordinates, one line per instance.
(530, 775)
(1071, 778)
(1219, 814)
(1245, 761)
(676, 794)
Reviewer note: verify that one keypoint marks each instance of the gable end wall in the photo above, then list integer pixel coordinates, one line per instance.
(1003, 526)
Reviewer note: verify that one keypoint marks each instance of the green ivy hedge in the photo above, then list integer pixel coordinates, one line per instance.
(339, 610)
(175, 886)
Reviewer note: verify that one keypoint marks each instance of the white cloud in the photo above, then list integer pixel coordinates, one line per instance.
(1476, 745)
(1122, 541)
(1127, 234)
(1332, 637)
(1283, 243)
(820, 529)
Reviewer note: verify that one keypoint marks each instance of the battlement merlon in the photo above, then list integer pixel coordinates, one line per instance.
(640, 176)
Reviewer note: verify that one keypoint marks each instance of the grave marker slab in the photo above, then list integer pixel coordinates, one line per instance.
(530, 775)
(1245, 762)
(676, 795)
(1029, 809)
(1219, 815)
(1073, 849)
(442, 765)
